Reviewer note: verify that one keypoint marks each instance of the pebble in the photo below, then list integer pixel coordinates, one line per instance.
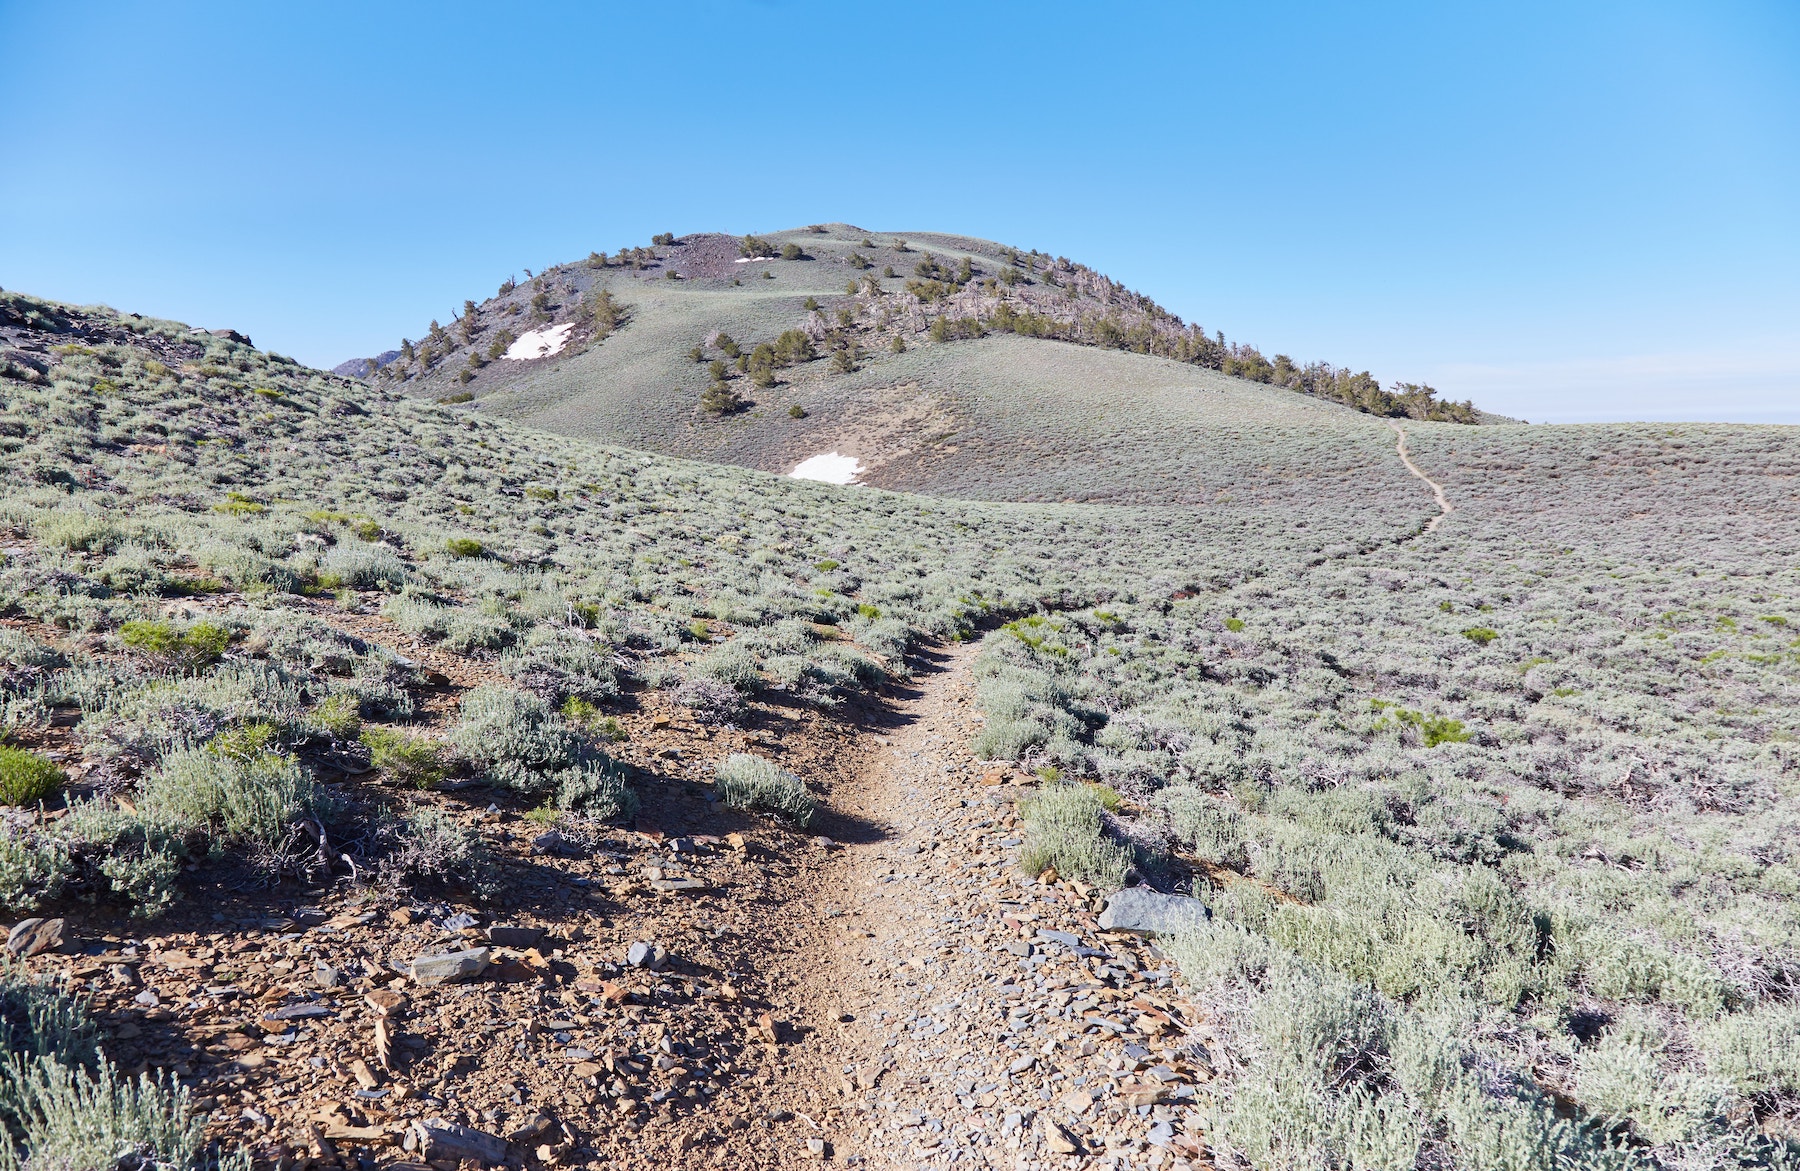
(647, 955)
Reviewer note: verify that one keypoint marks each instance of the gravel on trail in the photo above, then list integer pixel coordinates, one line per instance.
(982, 1017)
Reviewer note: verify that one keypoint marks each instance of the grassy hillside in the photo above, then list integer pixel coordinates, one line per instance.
(1497, 817)
(938, 383)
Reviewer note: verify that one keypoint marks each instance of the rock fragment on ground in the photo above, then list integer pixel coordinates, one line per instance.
(1143, 911)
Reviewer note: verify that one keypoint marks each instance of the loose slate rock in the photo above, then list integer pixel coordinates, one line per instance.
(677, 885)
(299, 1012)
(1062, 1142)
(519, 937)
(1146, 912)
(446, 1140)
(451, 967)
(532, 1129)
(30, 936)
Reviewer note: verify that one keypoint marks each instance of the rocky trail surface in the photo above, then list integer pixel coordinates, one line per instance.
(980, 1018)
(701, 989)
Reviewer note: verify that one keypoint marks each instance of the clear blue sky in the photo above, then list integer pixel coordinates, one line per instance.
(1563, 210)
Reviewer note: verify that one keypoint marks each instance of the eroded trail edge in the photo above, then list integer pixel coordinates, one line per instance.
(1437, 490)
(958, 1012)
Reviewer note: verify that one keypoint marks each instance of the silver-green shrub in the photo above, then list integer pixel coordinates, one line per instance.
(62, 1104)
(558, 663)
(596, 788)
(429, 848)
(762, 786)
(237, 787)
(1065, 830)
(731, 664)
(362, 567)
(33, 869)
(70, 1117)
(514, 738)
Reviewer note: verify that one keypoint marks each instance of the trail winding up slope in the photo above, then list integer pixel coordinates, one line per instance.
(1437, 490)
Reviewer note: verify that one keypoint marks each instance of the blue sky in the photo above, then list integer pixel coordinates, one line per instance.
(1565, 211)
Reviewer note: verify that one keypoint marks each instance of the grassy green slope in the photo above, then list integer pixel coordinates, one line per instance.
(1001, 417)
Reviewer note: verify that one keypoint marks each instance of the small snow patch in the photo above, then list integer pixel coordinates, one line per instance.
(831, 468)
(751, 259)
(540, 343)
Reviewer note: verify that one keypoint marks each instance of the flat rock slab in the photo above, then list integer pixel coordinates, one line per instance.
(450, 967)
(299, 1012)
(447, 1140)
(678, 885)
(1146, 912)
(30, 936)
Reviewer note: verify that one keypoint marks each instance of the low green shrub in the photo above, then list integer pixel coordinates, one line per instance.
(413, 761)
(753, 783)
(463, 547)
(25, 777)
(1480, 635)
(584, 715)
(340, 714)
(186, 649)
(237, 504)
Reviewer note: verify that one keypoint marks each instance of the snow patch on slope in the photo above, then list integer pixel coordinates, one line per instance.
(540, 343)
(830, 468)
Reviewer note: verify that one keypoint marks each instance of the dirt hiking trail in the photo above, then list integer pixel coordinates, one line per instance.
(1437, 490)
(959, 1013)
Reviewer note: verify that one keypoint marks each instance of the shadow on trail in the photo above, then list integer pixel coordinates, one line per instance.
(887, 713)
